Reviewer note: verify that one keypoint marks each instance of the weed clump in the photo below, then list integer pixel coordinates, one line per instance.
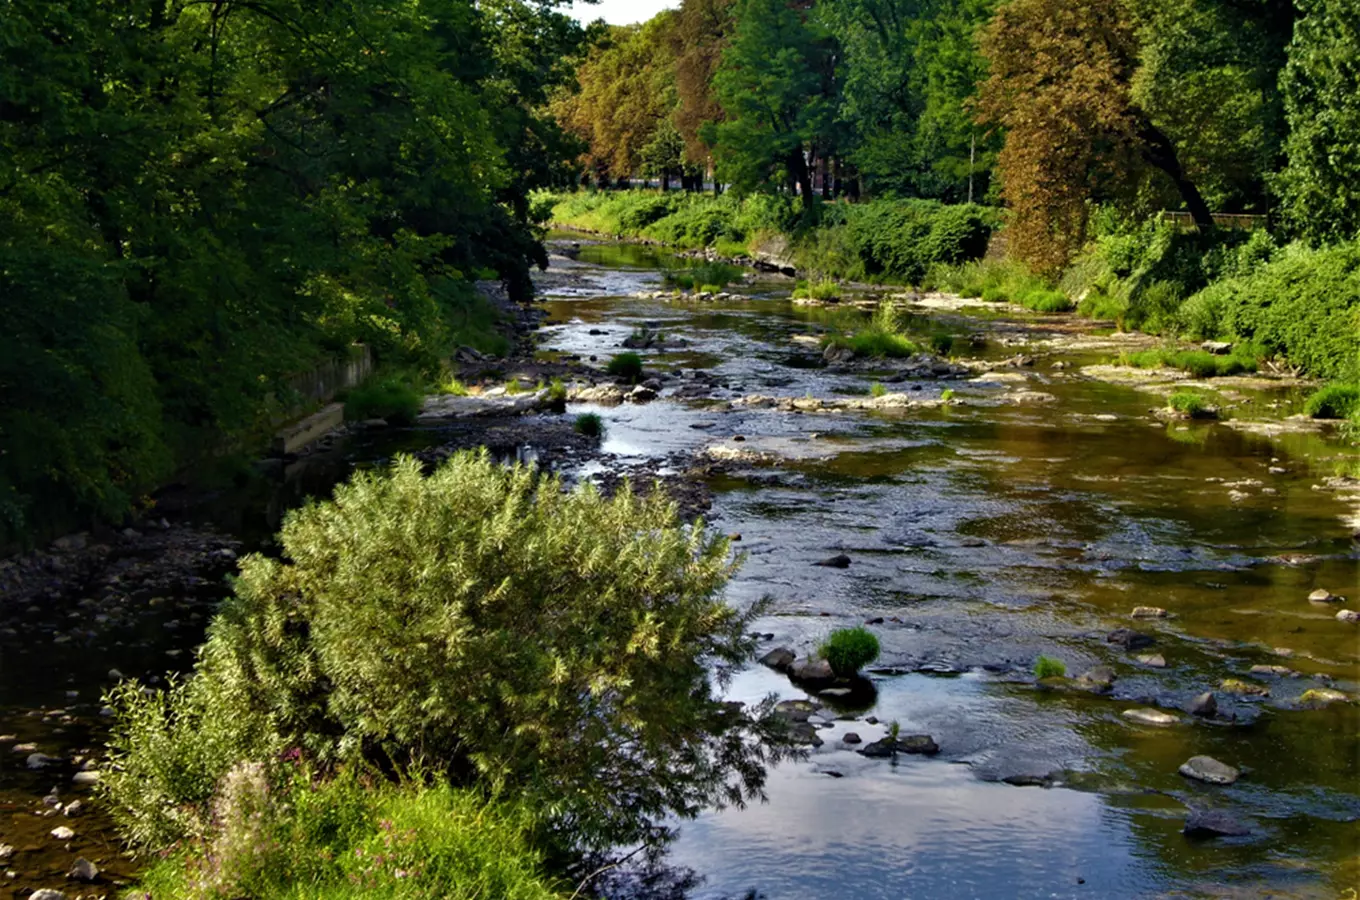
(590, 424)
(1191, 405)
(849, 649)
(1049, 667)
(1199, 363)
(825, 290)
(627, 366)
(1335, 401)
(394, 398)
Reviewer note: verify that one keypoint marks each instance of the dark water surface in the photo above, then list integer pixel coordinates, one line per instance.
(983, 535)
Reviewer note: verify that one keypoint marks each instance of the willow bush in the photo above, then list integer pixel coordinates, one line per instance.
(561, 647)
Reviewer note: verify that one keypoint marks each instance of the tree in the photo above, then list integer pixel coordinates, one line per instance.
(1061, 85)
(702, 31)
(1320, 186)
(777, 87)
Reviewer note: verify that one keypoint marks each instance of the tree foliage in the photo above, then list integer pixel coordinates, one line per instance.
(558, 645)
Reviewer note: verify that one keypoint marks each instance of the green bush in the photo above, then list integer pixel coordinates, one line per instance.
(876, 389)
(1335, 401)
(1302, 305)
(1199, 363)
(556, 646)
(626, 365)
(395, 398)
(590, 424)
(849, 649)
(1189, 403)
(297, 837)
(823, 289)
(1049, 667)
(903, 239)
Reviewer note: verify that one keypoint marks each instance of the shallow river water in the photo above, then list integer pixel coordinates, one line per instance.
(981, 535)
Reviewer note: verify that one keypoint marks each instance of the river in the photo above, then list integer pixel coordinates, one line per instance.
(981, 534)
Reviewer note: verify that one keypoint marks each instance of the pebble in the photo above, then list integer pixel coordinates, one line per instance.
(1152, 660)
(62, 833)
(73, 809)
(1348, 615)
(1150, 717)
(1209, 770)
(1148, 612)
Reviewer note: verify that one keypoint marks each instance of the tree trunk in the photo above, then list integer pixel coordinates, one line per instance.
(665, 181)
(1161, 152)
(801, 175)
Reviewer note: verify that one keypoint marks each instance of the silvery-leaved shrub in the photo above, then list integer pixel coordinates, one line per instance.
(559, 646)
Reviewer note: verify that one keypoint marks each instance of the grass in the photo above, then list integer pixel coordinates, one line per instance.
(557, 395)
(849, 649)
(947, 394)
(823, 289)
(710, 277)
(1199, 363)
(1335, 401)
(346, 838)
(1190, 404)
(589, 424)
(881, 337)
(1049, 667)
(942, 342)
(710, 288)
(625, 365)
(877, 390)
(999, 282)
(395, 398)
(452, 387)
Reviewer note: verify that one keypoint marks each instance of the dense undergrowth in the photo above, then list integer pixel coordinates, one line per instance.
(1297, 305)
(479, 626)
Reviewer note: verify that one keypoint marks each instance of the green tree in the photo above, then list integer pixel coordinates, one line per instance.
(702, 32)
(1320, 186)
(777, 87)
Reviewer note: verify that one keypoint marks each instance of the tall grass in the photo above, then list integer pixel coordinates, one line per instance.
(1199, 363)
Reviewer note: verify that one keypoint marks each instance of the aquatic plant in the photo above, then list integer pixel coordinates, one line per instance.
(877, 389)
(823, 289)
(1049, 667)
(590, 424)
(627, 365)
(849, 649)
(947, 394)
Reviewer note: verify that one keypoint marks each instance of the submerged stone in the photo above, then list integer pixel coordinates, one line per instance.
(1205, 705)
(1100, 678)
(1213, 823)
(1147, 716)
(839, 561)
(1317, 698)
(1152, 660)
(1129, 639)
(921, 744)
(1209, 770)
(83, 870)
(1244, 688)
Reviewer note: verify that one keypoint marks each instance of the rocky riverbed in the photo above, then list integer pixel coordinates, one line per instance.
(1016, 498)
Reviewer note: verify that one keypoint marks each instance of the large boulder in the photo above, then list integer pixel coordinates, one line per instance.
(921, 744)
(779, 659)
(812, 671)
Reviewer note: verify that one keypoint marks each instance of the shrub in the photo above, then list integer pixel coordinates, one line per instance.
(823, 289)
(625, 365)
(557, 646)
(590, 424)
(391, 397)
(1335, 401)
(348, 837)
(849, 649)
(1303, 305)
(1049, 667)
(942, 342)
(1199, 363)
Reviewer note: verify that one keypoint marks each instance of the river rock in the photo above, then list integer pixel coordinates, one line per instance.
(852, 738)
(1317, 698)
(90, 777)
(62, 833)
(921, 744)
(40, 760)
(73, 809)
(1148, 612)
(1218, 348)
(839, 561)
(83, 870)
(1348, 615)
(1147, 716)
(1243, 688)
(1205, 705)
(46, 894)
(1213, 823)
(778, 659)
(795, 710)
(1322, 595)
(1209, 770)
(6, 852)
(641, 394)
(1276, 671)
(1152, 660)
(811, 670)
(1129, 639)
(1100, 678)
